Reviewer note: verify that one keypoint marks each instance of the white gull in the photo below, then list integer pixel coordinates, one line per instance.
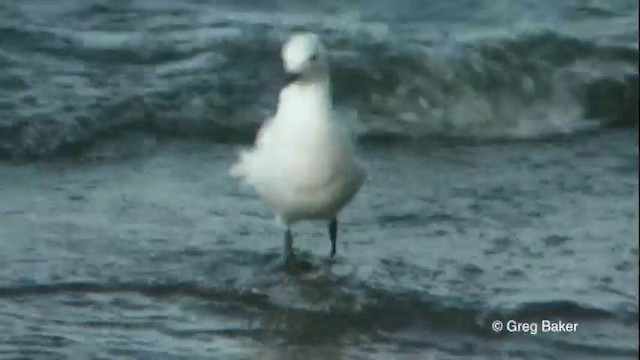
(302, 164)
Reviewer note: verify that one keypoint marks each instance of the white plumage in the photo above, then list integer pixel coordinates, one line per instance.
(302, 164)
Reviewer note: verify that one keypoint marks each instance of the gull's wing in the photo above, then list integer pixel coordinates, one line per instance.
(245, 158)
(263, 133)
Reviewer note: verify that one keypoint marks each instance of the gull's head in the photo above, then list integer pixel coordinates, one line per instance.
(304, 57)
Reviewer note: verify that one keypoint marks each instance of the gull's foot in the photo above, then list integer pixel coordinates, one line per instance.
(302, 266)
(293, 265)
(289, 259)
(333, 236)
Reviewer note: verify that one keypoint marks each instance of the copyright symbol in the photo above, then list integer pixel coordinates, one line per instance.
(497, 326)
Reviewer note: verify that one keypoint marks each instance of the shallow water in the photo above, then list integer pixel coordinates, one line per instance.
(160, 255)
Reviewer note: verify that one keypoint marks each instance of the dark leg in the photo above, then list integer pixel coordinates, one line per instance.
(333, 235)
(288, 247)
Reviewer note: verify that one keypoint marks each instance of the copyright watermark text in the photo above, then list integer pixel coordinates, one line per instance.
(544, 326)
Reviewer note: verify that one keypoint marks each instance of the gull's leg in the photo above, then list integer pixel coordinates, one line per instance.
(288, 247)
(333, 235)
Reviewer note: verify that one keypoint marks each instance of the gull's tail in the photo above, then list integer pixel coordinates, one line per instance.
(239, 168)
(245, 165)
(244, 169)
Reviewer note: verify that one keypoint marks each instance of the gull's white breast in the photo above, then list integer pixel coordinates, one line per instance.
(303, 164)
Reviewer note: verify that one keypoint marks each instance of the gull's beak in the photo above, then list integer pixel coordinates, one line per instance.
(291, 77)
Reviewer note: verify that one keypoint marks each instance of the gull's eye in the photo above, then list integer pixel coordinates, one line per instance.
(313, 57)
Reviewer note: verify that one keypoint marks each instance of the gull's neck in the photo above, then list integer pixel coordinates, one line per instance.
(309, 96)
